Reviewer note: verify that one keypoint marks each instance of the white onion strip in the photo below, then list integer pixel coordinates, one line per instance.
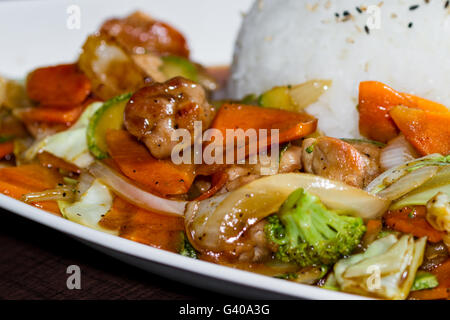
(397, 152)
(130, 192)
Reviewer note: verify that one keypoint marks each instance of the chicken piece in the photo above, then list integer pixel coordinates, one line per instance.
(239, 175)
(338, 160)
(139, 33)
(156, 111)
(253, 245)
(291, 160)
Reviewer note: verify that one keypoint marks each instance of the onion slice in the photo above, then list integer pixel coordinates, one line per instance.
(216, 223)
(135, 195)
(397, 152)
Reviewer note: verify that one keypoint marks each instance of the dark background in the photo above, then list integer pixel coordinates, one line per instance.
(34, 260)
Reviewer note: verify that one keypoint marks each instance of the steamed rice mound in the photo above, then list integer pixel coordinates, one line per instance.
(292, 41)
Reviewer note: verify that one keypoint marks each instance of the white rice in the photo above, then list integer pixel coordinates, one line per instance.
(291, 41)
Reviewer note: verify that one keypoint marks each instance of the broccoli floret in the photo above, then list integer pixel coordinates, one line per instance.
(186, 249)
(309, 234)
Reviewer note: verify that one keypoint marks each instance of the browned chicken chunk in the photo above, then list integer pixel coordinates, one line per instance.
(139, 33)
(335, 159)
(154, 113)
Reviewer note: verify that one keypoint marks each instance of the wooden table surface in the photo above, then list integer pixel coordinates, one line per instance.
(34, 261)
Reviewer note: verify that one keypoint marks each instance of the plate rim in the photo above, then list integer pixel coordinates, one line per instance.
(170, 259)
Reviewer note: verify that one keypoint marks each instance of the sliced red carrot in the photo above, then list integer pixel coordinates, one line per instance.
(291, 125)
(373, 228)
(59, 86)
(6, 148)
(442, 273)
(426, 105)
(50, 161)
(17, 181)
(438, 293)
(375, 100)
(143, 226)
(412, 220)
(135, 161)
(52, 115)
(427, 131)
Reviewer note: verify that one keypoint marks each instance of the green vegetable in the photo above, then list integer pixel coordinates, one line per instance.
(250, 99)
(424, 280)
(421, 195)
(309, 234)
(385, 270)
(186, 249)
(375, 143)
(174, 66)
(5, 138)
(70, 145)
(277, 97)
(109, 116)
(331, 283)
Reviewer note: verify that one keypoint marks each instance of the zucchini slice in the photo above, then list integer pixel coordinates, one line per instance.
(109, 116)
(174, 66)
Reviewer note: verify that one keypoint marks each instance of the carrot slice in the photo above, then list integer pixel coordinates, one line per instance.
(59, 86)
(438, 293)
(6, 148)
(412, 220)
(428, 132)
(135, 161)
(50, 161)
(375, 101)
(291, 125)
(52, 115)
(426, 105)
(143, 226)
(442, 273)
(17, 181)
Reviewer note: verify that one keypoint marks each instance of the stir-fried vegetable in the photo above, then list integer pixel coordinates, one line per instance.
(385, 270)
(221, 220)
(397, 152)
(294, 98)
(308, 234)
(93, 204)
(375, 102)
(420, 196)
(400, 180)
(163, 177)
(71, 145)
(109, 116)
(424, 280)
(18, 181)
(135, 195)
(427, 131)
(412, 220)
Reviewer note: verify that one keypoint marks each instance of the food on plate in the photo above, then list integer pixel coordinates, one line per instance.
(326, 160)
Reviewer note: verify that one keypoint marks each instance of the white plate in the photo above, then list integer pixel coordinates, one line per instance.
(35, 33)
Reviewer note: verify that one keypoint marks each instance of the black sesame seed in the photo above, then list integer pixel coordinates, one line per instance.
(410, 25)
(447, 3)
(414, 7)
(366, 28)
(337, 15)
(346, 13)
(64, 194)
(358, 9)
